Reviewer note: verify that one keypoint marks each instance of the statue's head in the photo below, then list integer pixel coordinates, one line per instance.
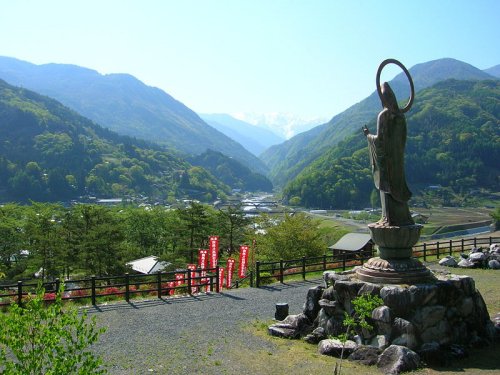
(389, 98)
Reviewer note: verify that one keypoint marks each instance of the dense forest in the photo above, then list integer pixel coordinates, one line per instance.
(231, 172)
(50, 153)
(453, 141)
(84, 239)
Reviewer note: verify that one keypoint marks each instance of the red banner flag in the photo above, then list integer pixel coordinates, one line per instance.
(243, 261)
(203, 258)
(230, 270)
(214, 250)
(221, 278)
(179, 279)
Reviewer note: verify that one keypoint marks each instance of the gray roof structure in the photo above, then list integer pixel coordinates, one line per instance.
(352, 242)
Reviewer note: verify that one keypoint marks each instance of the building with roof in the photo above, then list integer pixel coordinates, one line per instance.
(356, 245)
(148, 265)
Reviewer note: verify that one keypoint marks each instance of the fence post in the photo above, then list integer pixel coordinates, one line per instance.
(437, 250)
(425, 252)
(257, 274)
(92, 279)
(281, 271)
(189, 280)
(58, 285)
(324, 262)
(490, 241)
(303, 268)
(217, 286)
(451, 247)
(475, 242)
(127, 287)
(20, 293)
(343, 261)
(158, 283)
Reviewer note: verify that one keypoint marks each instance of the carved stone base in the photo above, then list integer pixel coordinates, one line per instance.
(394, 271)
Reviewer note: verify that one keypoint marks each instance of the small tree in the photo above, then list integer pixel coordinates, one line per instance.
(39, 339)
(363, 307)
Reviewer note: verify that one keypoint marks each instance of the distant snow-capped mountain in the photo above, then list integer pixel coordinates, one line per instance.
(285, 124)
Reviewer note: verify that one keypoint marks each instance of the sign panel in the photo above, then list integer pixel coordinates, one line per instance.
(243, 261)
(214, 250)
(230, 270)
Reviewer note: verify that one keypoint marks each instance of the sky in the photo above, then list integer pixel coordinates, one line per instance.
(310, 58)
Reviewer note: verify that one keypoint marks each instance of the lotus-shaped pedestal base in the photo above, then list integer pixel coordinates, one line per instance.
(395, 264)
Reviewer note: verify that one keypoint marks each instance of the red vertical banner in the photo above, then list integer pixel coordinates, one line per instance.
(230, 270)
(202, 259)
(214, 250)
(221, 278)
(179, 279)
(203, 263)
(243, 261)
(192, 275)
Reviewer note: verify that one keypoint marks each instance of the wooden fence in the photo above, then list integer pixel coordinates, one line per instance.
(112, 287)
(160, 284)
(266, 272)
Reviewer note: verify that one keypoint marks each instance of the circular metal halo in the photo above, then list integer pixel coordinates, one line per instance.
(408, 105)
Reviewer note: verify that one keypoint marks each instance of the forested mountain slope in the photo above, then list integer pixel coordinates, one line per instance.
(49, 152)
(288, 159)
(231, 172)
(453, 140)
(124, 104)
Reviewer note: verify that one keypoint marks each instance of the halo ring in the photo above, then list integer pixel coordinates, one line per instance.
(408, 105)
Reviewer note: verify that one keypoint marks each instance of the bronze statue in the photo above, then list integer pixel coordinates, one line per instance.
(387, 154)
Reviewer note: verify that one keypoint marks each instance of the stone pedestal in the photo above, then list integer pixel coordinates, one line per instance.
(395, 264)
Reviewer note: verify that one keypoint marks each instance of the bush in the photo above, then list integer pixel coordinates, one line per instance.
(38, 340)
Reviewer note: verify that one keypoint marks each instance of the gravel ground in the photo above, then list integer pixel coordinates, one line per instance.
(193, 334)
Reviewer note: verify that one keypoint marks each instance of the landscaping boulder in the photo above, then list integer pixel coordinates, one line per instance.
(397, 298)
(311, 306)
(448, 261)
(293, 327)
(366, 355)
(494, 264)
(333, 347)
(397, 359)
(466, 263)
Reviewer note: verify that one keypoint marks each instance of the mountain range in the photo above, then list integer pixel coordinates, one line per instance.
(288, 159)
(122, 103)
(255, 139)
(453, 141)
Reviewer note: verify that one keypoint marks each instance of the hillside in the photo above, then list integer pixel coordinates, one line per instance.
(124, 104)
(231, 172)
(453, 141)
(49, 152)
(288, 159)
(254, 138)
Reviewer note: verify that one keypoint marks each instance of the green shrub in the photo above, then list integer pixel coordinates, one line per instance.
(39, 339)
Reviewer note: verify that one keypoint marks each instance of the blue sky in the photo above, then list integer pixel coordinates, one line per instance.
(309, 58)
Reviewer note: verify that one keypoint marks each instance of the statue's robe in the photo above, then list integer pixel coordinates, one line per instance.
(387, 161)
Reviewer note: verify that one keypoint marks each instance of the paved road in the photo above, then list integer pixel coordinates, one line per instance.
(199, 334)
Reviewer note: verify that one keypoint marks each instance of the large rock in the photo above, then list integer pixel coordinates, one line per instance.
(347, 291)
(293, 327)
(397, 298)
(422, 294)
(311, 306)
(366, 355)
(494, 264)
(333, 347)
(330, 277)
(448, 261)
(397, 359)
(466, 263)
(382, 320)
(428, 316)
